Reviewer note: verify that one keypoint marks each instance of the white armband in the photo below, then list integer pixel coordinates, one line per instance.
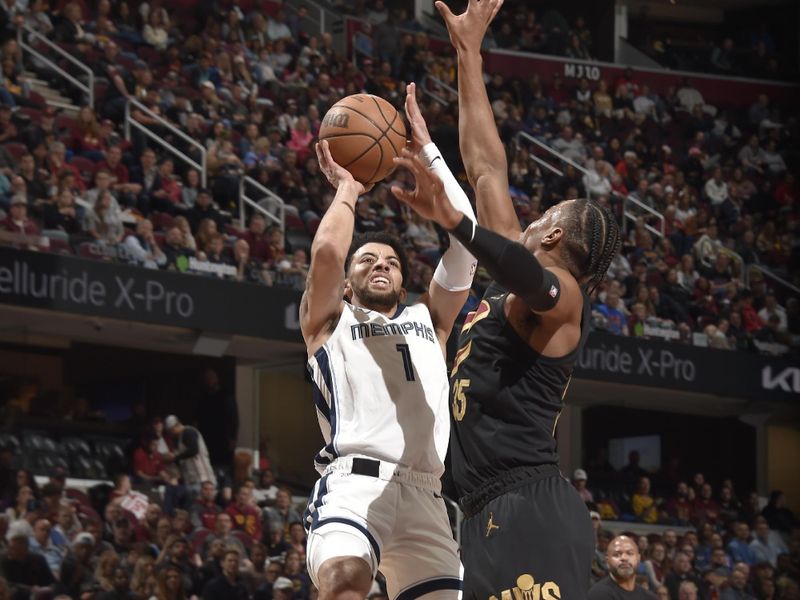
(457, 266)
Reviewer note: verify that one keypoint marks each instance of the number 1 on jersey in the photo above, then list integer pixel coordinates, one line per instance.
(407, 365)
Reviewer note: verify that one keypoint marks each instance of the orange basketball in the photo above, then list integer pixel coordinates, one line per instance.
(364, 133)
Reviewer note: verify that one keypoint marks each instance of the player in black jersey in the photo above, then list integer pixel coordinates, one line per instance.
(527, 533)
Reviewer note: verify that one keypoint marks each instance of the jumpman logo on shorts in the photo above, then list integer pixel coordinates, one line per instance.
(490, 525)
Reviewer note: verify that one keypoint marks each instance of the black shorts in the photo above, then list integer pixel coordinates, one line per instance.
(527, 529)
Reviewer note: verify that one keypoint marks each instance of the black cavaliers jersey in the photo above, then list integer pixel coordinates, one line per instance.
(505, 398)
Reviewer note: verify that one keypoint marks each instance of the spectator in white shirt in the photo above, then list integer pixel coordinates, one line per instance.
(771, 307)
(277, 29)
(716, 189)
(570, 146)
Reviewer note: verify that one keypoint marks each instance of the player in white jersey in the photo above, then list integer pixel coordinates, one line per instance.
(381, 395)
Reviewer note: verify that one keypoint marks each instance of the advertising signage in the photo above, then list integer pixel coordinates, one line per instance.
(214, 305)
(97, 288)
(654, 363)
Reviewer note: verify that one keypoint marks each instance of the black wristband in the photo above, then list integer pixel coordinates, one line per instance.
(510, 264)
(464, 232)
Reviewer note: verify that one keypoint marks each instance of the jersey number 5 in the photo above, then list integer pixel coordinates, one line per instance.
(460, 398)
(407, 365)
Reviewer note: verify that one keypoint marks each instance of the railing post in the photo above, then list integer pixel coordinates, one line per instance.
(128, 121)
(241, 202)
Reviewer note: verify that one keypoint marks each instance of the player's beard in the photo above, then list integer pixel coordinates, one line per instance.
(377, 300)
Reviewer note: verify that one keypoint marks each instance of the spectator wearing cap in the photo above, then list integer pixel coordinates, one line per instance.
(27, 573)
(579, 479)
(229, 586)
(623, 562)
(76, 569)
(283, 589)
(17, 220)
(177, 553)
(191, 455)
(35, 179)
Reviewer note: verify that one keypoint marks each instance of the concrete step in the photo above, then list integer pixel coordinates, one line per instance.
(65, 107)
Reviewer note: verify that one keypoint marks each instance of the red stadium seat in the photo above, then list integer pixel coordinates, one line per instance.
(162, 221)
(16, 149)
(294, 222)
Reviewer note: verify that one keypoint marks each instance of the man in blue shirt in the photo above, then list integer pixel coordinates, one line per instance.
(739, 548)
(615, 318)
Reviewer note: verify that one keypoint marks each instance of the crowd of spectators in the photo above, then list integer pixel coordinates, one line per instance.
(168, 529)
(721, 547)
(753, 53)
(251, 88)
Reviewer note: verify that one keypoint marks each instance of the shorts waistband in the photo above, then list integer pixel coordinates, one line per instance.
(387, 471)
(473, 502)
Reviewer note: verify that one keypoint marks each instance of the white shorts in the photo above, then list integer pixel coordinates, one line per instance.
(396, 522)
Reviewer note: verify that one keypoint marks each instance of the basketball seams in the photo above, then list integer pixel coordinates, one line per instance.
(394, 118)
(376, 140)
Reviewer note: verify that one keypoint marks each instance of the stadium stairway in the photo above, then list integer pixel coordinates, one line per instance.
(51, 97)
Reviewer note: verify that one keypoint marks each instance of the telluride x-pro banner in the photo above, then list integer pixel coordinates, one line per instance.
(125, 292)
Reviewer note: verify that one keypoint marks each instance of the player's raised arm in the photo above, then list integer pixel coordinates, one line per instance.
(482, 150)
(322, 300)
(452, 279)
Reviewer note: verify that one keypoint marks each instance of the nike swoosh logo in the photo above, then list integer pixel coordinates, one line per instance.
(435, 158)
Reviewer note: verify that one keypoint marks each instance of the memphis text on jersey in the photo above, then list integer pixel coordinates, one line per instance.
(365, 330)
(528, 589)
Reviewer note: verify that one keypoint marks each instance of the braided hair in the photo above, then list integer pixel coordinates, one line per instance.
(593, 239)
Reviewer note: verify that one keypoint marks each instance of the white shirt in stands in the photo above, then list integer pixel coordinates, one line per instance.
(381, 389)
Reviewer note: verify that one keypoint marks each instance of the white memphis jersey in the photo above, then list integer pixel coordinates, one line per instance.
(381, 389)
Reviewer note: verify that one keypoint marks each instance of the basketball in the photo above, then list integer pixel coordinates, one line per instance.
(364, 133)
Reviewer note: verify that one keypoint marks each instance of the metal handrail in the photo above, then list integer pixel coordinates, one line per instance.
(633, 216)
(552, 151)
(279, 219)
(628, 215)
(86, 88)
(440, 99)
(130, 121)
(771, 275)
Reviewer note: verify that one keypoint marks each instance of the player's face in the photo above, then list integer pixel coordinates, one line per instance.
(375, 277)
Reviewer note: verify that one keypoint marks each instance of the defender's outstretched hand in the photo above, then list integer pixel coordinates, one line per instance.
(467, 29)
(336, 173)
(428, 197)
(419, 129)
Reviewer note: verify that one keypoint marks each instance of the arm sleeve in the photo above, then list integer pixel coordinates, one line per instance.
(506, 261)
(457, 266)
(190, 441)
